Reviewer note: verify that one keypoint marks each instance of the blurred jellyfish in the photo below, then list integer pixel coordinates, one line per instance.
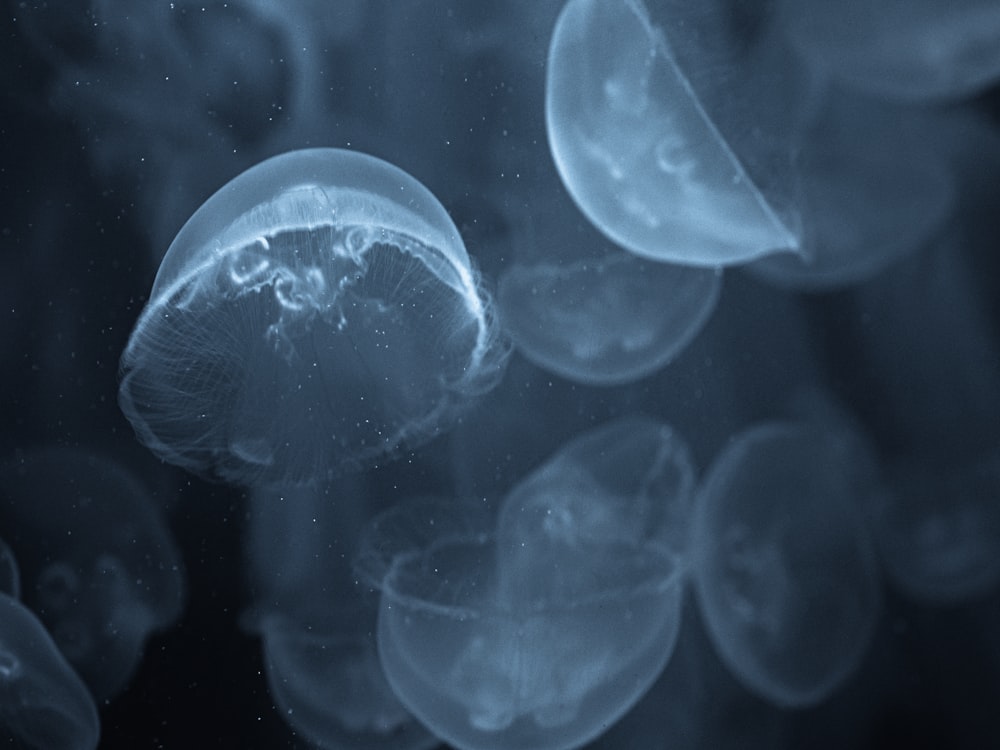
(900, 49)
(43, 704)
(10, 572)
(177, 95)
(930, 341)
(99, 565)
(316, 314)
(316, 623)
(938, 530)
(876, 186)
(609, 321)
(628, 482)
(785, 572)
(541, 633)
(663, 122)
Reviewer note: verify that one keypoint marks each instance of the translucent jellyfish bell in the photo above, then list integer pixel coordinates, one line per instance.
(542, 633)
(44, 704)
(629, 482)
(98, 563)
(317, 624)
(483, 674)
(785, 571)
(876, 184)
(318, 312)
(643, 149)
(608, 321)
(938, 529)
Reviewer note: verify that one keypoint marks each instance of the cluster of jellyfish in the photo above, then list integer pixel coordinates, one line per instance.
(320, 317)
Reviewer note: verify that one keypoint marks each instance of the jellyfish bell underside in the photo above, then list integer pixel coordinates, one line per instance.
(606, 322)
(489, 673)
(540, 628)
(333, 690)
(639, 153)
(316, 314)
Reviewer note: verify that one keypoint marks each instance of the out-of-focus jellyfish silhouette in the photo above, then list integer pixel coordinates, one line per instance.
(876, 183)
(10, 572)
(609, 321)
(930, 342)
(316, 314)
(939, 531)
(900, 49)
(663, 123)
(545, 631)
(43, 703)
(785, 571)
(316, 623)
(184, 93)
(99, 566)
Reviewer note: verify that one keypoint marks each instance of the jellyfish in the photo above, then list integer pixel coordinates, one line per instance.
(315, 315)
(493, 635)
(876, 186)
(577, 306)
(606, 322)
(785, 571)
(938, 529)
(99, 566)
(316, 624)
(43, 703)
(185, 92)
(628, 482)
(898, 49)
(930, 341)
(662, 137)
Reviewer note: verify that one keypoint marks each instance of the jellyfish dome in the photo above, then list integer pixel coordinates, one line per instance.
(938, 529)
(544, 628)
(98, 562)
(45, 704)
(641, 147)
(318, 312)
(484, 670)
(786, 574)
(315, 623)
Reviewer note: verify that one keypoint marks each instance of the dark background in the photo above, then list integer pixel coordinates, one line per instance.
(88, 205)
